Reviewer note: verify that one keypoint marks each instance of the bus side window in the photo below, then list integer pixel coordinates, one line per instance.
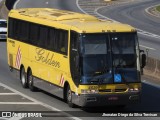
(52, 41)
(43, 37)
(16, 29)
(24, 31)
(11, 28)
(62, 37)
(34, 34)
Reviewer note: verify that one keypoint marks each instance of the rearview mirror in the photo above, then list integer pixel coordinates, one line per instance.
(143, 60)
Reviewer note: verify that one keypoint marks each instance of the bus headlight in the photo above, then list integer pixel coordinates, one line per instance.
(133, 90)
(89, 91)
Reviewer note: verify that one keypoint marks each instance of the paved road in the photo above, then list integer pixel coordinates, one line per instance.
(135, 15)
(150, 93)
(42, 101)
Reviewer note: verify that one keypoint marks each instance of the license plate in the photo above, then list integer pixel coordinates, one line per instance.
(113, 98)
(3, 36)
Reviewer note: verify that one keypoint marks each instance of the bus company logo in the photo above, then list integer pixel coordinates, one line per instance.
(18, 58)
(61, 83)
(46, 57)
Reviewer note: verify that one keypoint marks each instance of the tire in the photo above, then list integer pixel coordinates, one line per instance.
(30, 81)
(23, 79)
(69, 97)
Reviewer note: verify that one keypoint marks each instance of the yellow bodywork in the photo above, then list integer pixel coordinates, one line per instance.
(69, 20)
(51, 66)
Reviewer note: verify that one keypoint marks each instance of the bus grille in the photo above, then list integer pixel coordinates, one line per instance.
(113, 90)
(106, 90)
(120, 90)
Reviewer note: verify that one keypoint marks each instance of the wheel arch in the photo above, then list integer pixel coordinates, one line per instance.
(22, 66)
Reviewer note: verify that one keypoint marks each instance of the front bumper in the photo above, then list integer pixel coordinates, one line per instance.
(93, 100)
(3, 36)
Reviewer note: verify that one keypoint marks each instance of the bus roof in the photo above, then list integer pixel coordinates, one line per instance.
(62, 19)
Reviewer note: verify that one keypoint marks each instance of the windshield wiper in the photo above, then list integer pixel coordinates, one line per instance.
(98, 78)
(101, 72)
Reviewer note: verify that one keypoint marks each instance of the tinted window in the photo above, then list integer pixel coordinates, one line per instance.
(38, 35)
(10, 28)
(94, 44)
(16, 29)
(62, 41)
(58, 40)
(34, 34)
(74, 41)
(23, 31)
(52, 41)
(43, 36)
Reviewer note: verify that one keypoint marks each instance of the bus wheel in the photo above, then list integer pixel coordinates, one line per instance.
(30, 80)
(69, 97)
(23, 78)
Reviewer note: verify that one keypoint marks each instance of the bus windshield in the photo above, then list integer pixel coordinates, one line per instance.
(95, 54)
(106, 54)
(123, 50)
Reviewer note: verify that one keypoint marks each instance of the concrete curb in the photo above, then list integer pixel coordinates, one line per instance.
(153, 65)
(152, 11)
(152, 68)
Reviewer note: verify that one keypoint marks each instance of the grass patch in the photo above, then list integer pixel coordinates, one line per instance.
(158, 8)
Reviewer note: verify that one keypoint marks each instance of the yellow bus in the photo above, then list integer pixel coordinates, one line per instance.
(77, 57)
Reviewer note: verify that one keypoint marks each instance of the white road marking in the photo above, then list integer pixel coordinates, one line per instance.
(147, 10)
(147, 47)
(47, 3)
(139, 30)
(3, 118)
(15, 4)
(37, 102)
(17, 92)
(142, 32)
(80, 7)
(152, 84)
(147, 33)
(8, 94)
(19, 103)
(15, 118)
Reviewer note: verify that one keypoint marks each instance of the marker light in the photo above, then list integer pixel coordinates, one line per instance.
(133, 90)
